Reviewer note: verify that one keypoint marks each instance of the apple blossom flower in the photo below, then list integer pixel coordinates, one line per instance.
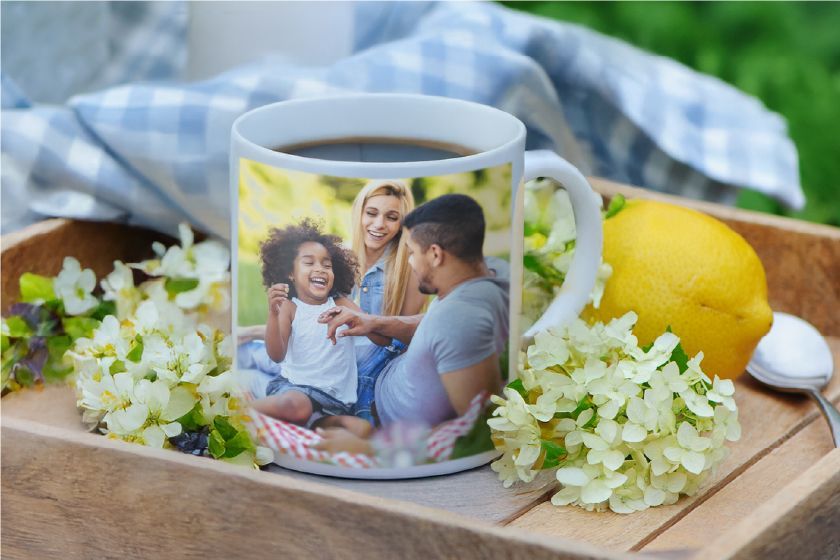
(74, 287)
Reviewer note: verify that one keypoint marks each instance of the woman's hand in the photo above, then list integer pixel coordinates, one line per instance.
(277, 295)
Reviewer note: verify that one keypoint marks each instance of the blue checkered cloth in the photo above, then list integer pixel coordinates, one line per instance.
(155, 153)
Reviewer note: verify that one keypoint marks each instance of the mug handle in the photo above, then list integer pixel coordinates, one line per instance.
(586, 205)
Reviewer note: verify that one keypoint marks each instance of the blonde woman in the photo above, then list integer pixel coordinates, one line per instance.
(388, 286)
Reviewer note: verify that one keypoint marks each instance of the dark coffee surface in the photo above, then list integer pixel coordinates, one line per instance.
(377, 150)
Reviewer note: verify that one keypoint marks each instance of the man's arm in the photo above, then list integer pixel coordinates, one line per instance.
(362, 324)
(377, 339)
(400, 327)
(464, 384)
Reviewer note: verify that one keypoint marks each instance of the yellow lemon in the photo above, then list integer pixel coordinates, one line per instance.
(677, 267)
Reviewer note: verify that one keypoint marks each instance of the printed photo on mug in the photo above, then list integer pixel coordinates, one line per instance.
(373, 317)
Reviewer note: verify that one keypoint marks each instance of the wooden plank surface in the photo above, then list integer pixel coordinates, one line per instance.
(476, 493)
(801, 521)
(748, 492)
(73, 495)
(767, 420)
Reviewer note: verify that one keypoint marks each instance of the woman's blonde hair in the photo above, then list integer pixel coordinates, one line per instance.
(397, 270)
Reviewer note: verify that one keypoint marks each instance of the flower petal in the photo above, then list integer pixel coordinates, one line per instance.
(181, 401)
(154, 436)
(572, 476)
(633, 433)
(595, 492)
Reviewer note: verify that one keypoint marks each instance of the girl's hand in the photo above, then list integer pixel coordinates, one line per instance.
(277, 295)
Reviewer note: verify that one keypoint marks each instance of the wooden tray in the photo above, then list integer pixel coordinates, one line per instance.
(78, 495)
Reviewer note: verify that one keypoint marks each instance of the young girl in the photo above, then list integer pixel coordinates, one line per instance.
(317, 380)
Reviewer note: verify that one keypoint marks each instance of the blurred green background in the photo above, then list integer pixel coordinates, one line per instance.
(273, 197)
(785, 53)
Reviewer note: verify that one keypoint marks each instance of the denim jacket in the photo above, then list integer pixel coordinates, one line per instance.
(370, 294)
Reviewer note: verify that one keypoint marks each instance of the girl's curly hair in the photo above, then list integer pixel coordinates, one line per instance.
(278, 252)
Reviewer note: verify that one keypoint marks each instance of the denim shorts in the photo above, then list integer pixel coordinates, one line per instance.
(322, 403)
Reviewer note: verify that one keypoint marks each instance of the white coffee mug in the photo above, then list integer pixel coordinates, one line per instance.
(496, 137)
(310, 158)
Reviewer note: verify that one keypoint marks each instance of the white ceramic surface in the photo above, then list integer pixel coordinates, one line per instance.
(416, 471)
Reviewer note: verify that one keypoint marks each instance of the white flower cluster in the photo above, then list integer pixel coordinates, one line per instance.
(625, 428)
(156, 366)
(196, 276)
(549, 248)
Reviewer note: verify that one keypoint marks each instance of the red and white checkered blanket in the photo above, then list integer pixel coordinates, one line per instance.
(298, 441)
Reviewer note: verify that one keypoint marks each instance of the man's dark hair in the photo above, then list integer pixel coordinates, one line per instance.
(278, 252)
(455, 222)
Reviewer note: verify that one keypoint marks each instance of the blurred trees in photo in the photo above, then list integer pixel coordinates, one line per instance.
(787, 54)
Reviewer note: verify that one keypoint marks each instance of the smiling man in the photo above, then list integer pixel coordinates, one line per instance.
(454, 349)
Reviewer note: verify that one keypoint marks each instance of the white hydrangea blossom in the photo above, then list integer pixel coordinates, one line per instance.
(633, 431)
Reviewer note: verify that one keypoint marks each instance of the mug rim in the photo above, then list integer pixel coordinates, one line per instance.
(374, 169)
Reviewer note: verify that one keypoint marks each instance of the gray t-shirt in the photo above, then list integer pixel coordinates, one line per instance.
(458, 331)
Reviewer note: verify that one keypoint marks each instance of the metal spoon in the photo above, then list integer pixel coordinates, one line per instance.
(794, 357)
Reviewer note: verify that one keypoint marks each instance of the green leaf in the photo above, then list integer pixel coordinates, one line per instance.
(617, 203)
(57, 346)
(25, 376)
(35, 288)
(11, 356)
(678, 355)
(554, 453)
(175, 286)
(193, 420)
(216, 444)
(531, 229)
(680, 358)
(104, 309)
(239, 443)
(544, 270)
(117, 367)
(5, 378)
(581, 406)
(47, 327)
(56, 370)
(18, 327)
(517, 386)
(5, 343)
(79, 327)
(224, 427)
(477, 440)
(136, 352)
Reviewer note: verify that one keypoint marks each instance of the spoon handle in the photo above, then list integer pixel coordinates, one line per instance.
(831, 414)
